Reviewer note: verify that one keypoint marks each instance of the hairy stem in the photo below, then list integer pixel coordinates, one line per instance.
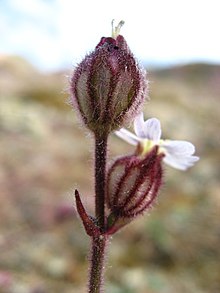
(97, 257)
(100, 177)
(97, 260)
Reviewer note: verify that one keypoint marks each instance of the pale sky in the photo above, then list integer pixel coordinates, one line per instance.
(55, 34)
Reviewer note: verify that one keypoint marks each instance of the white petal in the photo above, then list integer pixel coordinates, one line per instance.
(181, 162)
(127, 136)
(152, 129)
(139, 125)
(178, 147)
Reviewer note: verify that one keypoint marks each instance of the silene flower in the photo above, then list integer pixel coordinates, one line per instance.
(109, 86)
(177, 153)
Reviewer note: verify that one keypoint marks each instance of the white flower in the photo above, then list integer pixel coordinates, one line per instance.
(178, 153)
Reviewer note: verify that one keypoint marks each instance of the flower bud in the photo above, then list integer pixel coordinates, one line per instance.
(132, 186)
(108, 86)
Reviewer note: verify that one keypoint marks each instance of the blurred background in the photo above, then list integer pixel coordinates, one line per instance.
(45, 153)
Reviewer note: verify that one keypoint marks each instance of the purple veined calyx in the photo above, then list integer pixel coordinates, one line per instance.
(133, 183)
(109, 86)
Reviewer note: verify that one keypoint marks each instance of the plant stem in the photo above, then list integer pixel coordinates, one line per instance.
(100, 177)
(97, 264)
(97, 257)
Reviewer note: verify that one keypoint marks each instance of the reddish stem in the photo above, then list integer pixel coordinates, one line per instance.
(100, 179)
(97, 258)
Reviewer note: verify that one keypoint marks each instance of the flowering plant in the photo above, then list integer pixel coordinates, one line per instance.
(108, 89)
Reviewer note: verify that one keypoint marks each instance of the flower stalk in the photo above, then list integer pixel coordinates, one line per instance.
(97, 261)
(100, 178)
(98, 242)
